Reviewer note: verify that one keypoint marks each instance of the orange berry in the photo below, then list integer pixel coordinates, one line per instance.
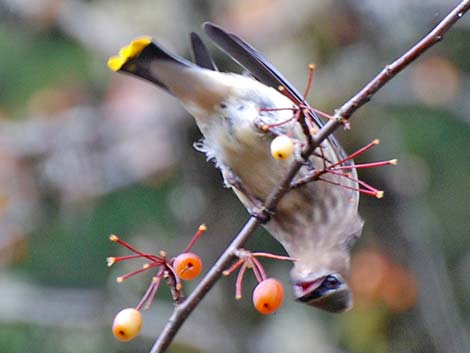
(282, 147)
(268, 296)
(127, 324)
(187, 266)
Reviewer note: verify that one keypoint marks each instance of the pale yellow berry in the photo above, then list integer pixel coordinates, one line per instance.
(282, 147)
(127, 324)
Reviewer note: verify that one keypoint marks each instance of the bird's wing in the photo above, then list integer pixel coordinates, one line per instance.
(249, 58)
(290, 227)
(201, 55)
(261, 68)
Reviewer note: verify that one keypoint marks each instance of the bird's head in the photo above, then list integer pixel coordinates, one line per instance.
(328, 292)
(321, 270)
(319, 278)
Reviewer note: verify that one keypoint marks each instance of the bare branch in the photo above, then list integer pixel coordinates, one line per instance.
(183, 310)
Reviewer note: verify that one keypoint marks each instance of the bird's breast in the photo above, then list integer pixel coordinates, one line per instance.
(245, 151)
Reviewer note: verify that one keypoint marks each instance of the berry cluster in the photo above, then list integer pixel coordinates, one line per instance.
(186, 266)
(268, 295)
(283, 146)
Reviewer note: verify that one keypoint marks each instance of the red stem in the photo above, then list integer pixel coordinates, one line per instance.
(311, 69)
(273, 256)
(367, 165)
(258, 269)
(239, 281)
(201, 230)
(234, 266)
(131, 248)
(357, 153)
(151, 290)
(140, 270)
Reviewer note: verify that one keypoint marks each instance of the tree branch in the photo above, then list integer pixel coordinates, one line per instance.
(183, 310)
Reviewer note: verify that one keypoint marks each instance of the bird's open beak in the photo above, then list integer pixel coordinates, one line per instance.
(304, 289)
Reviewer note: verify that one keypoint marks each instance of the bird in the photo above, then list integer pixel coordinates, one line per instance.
(318, 222)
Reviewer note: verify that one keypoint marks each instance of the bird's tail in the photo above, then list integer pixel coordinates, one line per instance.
(198, 88)
(137, 59)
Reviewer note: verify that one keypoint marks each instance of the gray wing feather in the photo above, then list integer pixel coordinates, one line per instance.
(261, 68)
(201, 55)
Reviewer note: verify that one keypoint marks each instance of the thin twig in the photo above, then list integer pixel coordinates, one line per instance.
(183, 310)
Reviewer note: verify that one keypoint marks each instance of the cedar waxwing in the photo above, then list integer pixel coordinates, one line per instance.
(318, 222)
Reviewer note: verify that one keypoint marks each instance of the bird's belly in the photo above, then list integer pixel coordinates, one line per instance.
(253, 164)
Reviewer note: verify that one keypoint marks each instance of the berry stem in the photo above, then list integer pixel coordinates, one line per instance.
(289, 95)
(151, 291)
(258, 269)
(375, 192)
(323, 114)
(311, 69)
(273, 256)
(116, 239)
(239, 281)
(367, 165)
(360, 182)
(201, 230)
(112, 260)
(232, 268)
(357, 153)
(270, 126)
(140, 270)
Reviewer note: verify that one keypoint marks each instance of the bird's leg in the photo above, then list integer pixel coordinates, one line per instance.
(258, 210)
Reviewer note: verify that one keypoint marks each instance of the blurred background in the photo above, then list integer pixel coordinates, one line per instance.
(85, 152)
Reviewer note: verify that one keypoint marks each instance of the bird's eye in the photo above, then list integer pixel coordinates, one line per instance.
(331, 282)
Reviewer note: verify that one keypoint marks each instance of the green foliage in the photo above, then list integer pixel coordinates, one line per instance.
(72, 252)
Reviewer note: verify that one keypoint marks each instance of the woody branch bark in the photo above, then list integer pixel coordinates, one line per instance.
(183, 310)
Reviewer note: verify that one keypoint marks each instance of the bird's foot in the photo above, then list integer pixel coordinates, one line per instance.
(261, 213)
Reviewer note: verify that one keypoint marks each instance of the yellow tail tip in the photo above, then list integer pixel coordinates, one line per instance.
(116, 62)
(379, 194)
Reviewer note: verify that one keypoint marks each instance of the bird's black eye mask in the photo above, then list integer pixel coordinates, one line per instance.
(328, 283)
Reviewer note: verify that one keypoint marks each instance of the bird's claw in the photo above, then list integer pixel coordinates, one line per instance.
(262, 213)
(307, 164)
